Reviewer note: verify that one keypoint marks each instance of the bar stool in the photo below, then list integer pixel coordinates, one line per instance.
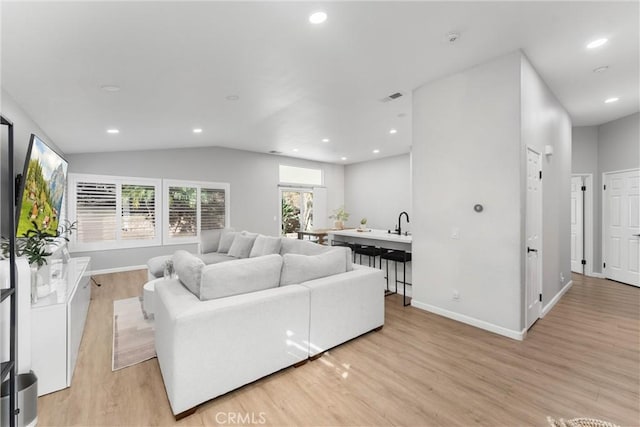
(398, 256)
(369, 251)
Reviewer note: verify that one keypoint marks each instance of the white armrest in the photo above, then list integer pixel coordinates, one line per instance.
(344, 306)
(208, 348)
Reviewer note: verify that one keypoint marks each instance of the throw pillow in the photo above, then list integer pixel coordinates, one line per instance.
(226, 240)
(210, 240)
(240, 276)
(265, 245)
(242, 244)
(301, 268)
(189, 270)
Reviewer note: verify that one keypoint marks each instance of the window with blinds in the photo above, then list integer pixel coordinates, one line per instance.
(114, 212)
(95, 212)
(191, 207)
(183, 211)
(138, 212)
(212, 210)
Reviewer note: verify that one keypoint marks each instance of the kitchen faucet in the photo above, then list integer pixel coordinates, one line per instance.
(399, 229)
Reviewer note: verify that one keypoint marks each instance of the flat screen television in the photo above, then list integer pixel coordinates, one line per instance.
(41, 189)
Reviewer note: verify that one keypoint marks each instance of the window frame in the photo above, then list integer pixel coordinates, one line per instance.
(119, 242)
(199, 185)
(300, 184)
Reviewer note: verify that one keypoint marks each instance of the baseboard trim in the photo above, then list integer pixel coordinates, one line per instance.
(118, 269)
(516, 335)
(547, 308)
(596, 275)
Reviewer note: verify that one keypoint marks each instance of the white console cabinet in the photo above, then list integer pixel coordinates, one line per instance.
(57, 323)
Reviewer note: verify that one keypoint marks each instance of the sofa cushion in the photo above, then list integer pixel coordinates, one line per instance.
(301, 247)
(265, 245)
(215, 257)
(210, 240)
(242, 244)
(226, 240)
(240, 277)
(156, 265)
(189, 270)
(301, 268)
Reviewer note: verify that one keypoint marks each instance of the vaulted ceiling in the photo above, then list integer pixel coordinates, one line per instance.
(258, 76)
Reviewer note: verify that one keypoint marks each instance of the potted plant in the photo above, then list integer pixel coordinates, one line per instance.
(36, 246)
(363, 224)
(340, 216)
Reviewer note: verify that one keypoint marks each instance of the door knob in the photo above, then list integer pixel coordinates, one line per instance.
(531, 250)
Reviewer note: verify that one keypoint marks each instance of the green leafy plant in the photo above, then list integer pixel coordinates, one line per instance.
(36, 243)
(363, 221)
(340, 214)
(290, 218)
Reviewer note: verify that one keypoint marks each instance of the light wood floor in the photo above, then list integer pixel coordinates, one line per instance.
(581, 360)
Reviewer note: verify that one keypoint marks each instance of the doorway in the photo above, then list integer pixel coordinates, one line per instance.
(296, 212)
(533, 227)
(582, 224)
(621, 226)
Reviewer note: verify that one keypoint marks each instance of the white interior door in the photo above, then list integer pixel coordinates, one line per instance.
(621, 227)
(533, 276)
(577, 224)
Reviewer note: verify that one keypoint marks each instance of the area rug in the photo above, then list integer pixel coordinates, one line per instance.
(133, 340)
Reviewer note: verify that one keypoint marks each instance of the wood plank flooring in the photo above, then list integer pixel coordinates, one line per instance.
(581, 360)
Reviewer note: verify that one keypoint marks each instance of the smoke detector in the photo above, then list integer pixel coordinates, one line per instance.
(453, 36)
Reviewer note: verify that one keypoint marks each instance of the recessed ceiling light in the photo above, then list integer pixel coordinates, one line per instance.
(393, 131)
(197, 130)
(295, 150)
(110, 88)
(325, 140)
(601, 69)
(376, 151)
(232, 98)
(610, 100)
(317, 17)
(113, 131)
(343, 158)
(597, 43)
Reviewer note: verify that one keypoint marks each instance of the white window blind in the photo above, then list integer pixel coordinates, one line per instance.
(114, 212)
(183, 211)
(95, 212)
(212, 211)
(138, 212)
(297, 175)
(191, 207)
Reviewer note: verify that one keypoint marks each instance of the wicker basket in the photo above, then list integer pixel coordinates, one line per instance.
(580, 422)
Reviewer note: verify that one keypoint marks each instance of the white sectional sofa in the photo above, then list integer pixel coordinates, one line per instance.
(224, 325)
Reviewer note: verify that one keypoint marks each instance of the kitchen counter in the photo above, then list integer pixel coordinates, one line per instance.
(380, 238)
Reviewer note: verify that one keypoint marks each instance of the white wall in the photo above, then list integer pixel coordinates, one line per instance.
(584, 151)
(546, 122)
(379, 190)
(619, 144)
(470, 132)
(466, 150)
(253, 178)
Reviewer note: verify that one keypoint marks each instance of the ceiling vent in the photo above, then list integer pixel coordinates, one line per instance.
(391, 97)
(275, 152)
